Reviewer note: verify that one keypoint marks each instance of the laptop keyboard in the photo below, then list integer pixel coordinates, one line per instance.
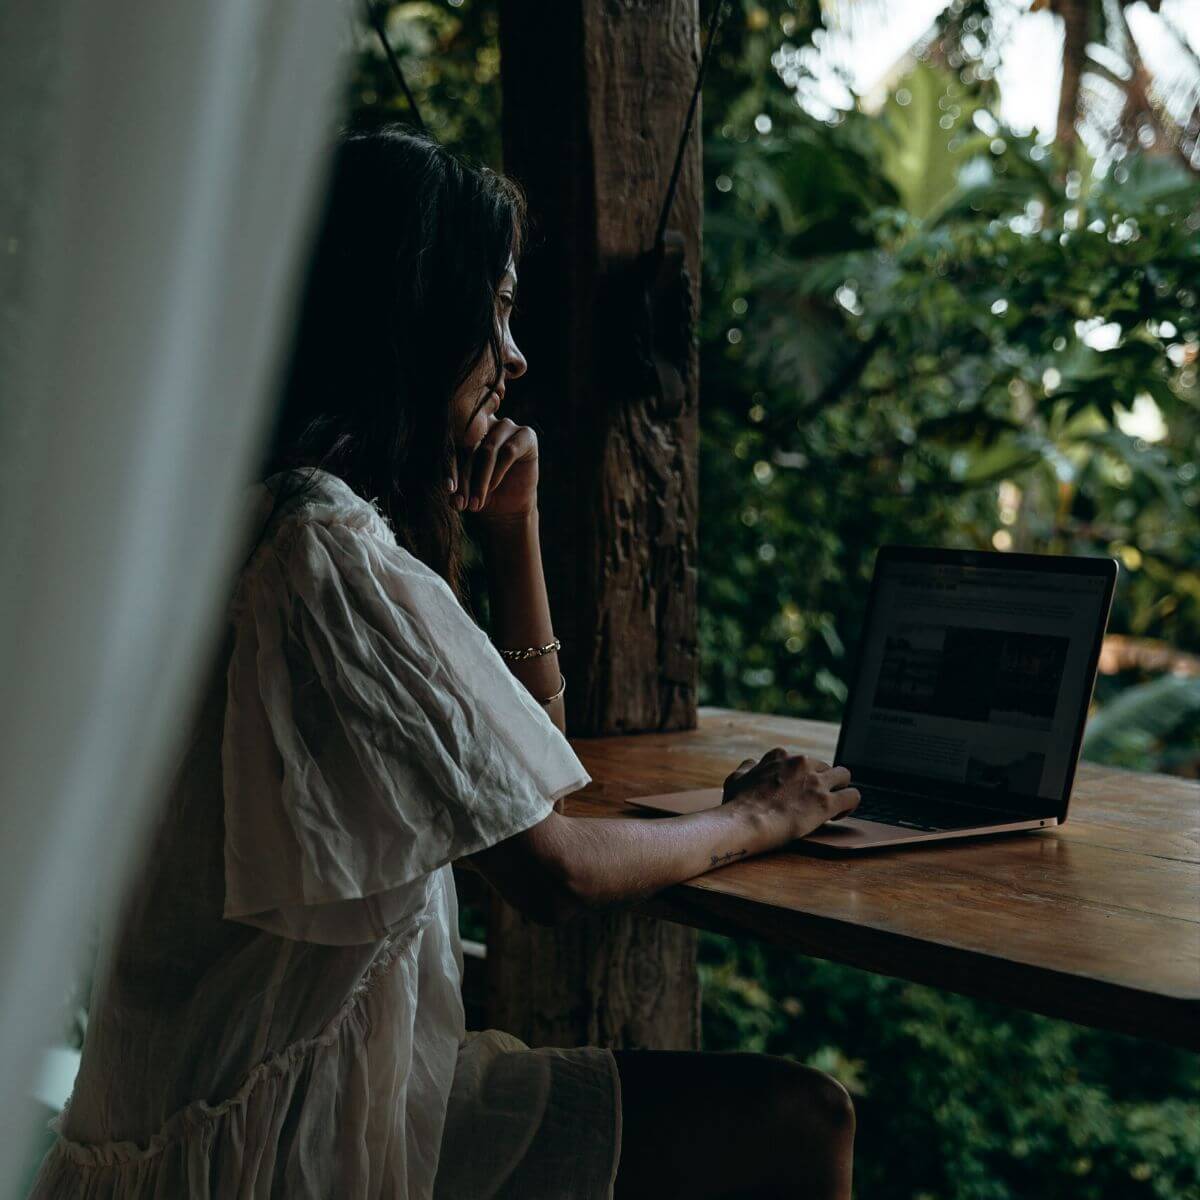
(909, 811)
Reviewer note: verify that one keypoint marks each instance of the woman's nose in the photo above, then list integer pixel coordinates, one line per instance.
(514, 361)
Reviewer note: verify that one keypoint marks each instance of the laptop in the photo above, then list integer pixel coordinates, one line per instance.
(968, 701)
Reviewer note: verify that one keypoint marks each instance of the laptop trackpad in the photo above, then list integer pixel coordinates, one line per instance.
(680, 802)
(697, 801)
(847, 834)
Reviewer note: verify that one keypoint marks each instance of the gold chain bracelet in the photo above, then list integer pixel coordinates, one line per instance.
(530, 652)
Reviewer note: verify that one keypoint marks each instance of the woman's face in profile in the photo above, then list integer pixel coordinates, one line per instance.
(469, 432)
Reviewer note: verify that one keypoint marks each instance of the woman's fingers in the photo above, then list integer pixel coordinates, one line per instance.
(483, 462)
(734, 776)
(521, 442)
(462, 476)
(481, 467)
(835, 777)
(845, 801)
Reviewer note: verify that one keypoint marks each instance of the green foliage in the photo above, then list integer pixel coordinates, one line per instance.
(1154, 720)
(893, 349)
(961, 1099)
(903, 324)
(914, 150)
(451, 61)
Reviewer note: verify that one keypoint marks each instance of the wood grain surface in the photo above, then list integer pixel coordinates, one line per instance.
(595, 96)
(1096, 921)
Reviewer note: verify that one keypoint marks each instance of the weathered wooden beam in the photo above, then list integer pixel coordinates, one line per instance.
(622, 981)
(595, 96)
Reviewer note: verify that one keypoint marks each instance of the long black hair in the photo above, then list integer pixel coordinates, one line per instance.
(398, 308)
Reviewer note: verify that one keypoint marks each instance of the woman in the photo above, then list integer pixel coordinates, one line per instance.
(279, 1013)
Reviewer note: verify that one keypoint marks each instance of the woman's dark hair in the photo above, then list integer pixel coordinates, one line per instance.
(398, 308)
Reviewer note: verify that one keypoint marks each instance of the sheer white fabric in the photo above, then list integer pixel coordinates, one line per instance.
(159, 168)
(356, 673)
(280, 1009)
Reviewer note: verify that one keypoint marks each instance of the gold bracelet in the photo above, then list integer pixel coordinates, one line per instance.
(530, 652)
(557, 695)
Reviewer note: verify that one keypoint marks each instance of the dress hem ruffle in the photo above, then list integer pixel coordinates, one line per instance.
(618, 1123)
(200, 1113)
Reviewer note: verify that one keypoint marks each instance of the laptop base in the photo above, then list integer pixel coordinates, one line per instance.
(848, 835)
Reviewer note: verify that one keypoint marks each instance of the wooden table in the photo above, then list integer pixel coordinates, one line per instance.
(1097, 921)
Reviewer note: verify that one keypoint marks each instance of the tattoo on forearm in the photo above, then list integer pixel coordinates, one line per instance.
(717, 859)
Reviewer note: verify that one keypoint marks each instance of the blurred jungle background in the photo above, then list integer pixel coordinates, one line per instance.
(951, 277)
(947, 300)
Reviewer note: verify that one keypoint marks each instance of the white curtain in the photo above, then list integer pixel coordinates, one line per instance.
(160, 169)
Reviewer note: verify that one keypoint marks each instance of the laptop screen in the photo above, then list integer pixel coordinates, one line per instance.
(975, 679)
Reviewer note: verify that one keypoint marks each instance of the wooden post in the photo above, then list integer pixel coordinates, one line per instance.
(595, 97)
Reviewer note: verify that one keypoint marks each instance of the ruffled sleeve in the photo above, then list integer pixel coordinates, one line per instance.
(372, 734)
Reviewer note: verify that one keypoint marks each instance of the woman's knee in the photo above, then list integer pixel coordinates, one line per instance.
(816, 1124)
(809, 1104)
(767, 1126)
(829, 1102)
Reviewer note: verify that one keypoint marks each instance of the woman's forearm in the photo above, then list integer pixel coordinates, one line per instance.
(614, 861)
(571, 864)
(520, 609)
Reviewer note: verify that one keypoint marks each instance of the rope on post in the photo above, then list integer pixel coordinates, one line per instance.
(714, 26)
(377, 24)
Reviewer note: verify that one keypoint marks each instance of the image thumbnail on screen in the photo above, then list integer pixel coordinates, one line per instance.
(990, 675)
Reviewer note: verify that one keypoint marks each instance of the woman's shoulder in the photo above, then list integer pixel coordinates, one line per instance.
(291, 509)
(310, 495)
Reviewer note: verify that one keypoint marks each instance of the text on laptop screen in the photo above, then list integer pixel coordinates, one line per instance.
(974, 676)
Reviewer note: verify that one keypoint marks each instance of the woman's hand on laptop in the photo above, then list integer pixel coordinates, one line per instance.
(793, 792)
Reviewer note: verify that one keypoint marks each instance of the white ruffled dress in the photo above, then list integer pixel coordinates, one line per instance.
(279, 1011)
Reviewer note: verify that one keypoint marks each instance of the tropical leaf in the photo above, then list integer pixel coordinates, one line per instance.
(915, 146)
(1142, 460)
(1150, 710)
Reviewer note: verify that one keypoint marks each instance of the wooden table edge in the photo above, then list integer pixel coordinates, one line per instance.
(1173, 1020)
